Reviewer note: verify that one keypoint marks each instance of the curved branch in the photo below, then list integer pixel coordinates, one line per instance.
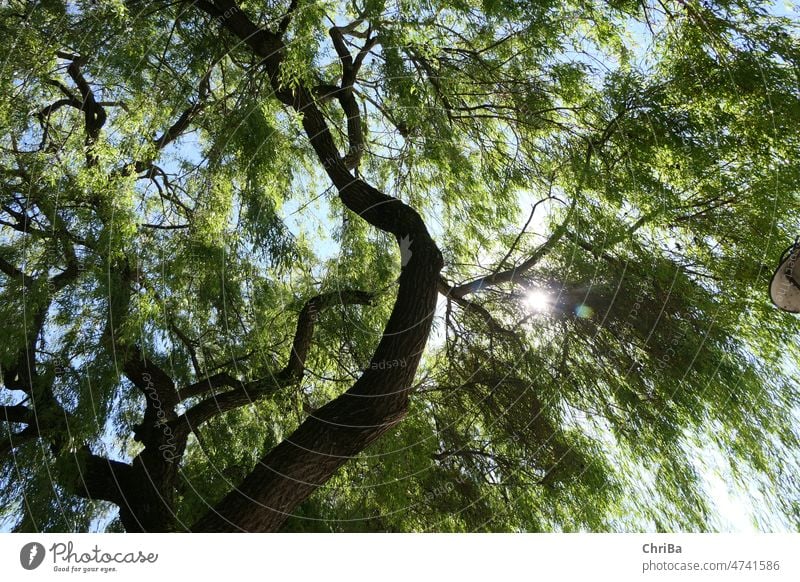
(45, 112)
(378, 400)
(514, 274)
(94, 113)
(247, 393)
(306, 320)
(102, 478)
(346, 95)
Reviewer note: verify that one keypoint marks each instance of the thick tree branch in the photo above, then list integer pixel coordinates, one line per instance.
(306, 321)
(156, 385)
(291, 471)
(283, 26)
(207, 385)
(14, 440)
(346, 95)
(249, 392)
(13, 271)
(63, 88)
(94, 113)
(149, 495)
(16, 413)
(102, 478)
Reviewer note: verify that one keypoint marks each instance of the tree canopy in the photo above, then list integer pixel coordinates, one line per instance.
(397, 265)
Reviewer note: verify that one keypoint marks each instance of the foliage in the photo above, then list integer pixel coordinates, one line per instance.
(633, 161)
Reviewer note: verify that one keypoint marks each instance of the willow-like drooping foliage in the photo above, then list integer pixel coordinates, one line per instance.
(213, 214)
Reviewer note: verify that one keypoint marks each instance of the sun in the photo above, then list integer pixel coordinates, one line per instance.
(538, 300)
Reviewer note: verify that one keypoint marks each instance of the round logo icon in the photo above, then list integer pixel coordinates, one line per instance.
(31, 555)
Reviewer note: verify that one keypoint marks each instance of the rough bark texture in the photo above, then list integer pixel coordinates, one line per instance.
(145, 490)
(291, 471)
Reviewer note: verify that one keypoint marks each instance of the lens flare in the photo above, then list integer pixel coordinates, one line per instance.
(538, 300)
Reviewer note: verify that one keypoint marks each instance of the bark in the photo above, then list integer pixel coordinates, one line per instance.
(338, 431)
(143, 490)
(15, 413)
(378, 400)
(247, 393)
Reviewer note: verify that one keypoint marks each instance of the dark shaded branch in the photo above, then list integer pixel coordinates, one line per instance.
(45, 112)
(102, 478)
(14, 440)
(514, 274)
(13, 271)
(306, 320)
(346, 95)
(63, 88)
(181, 125)
(208, 7)
(22, 218)
(325, 92)
(16, 413)
(67, 56)
(24, 222)
(247, 393)
(45, 417)
(94, 114)
(24, 226)
(351, 28)
(283, 26)
(22, 375)
(160, 395)
(148, 377)
(208, 384)
(292, 470)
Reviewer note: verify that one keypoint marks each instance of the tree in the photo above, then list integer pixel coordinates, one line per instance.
(445, 265)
